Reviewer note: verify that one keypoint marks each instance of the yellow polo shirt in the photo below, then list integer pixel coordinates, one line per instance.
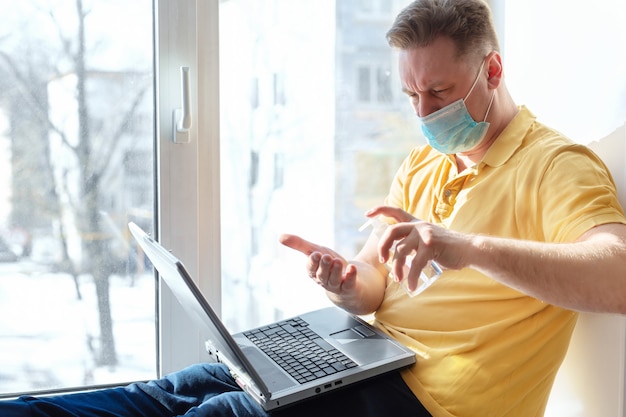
(484, 349)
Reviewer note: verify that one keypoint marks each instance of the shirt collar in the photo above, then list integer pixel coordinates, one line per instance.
(510, 139)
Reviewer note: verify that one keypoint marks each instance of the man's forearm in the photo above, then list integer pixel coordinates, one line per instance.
(589, 275)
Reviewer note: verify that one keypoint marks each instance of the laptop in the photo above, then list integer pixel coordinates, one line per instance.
(289, 361)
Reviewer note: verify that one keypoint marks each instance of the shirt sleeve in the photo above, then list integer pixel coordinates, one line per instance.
(577, 193)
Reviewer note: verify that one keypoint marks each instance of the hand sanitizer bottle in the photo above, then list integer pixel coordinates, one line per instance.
(431, 272)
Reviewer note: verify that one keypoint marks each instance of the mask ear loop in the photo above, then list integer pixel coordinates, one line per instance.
(489, 107)
(474, 85)
(475, 81)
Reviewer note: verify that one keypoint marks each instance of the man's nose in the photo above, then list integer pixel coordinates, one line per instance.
(423, 107)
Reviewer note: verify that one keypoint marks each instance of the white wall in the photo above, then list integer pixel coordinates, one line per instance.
(590, 382)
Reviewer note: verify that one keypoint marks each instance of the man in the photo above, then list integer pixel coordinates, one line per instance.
(520, 219)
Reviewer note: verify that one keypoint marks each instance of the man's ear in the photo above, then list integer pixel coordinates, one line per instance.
(494, 69)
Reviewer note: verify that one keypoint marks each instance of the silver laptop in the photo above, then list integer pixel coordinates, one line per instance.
(288, 361)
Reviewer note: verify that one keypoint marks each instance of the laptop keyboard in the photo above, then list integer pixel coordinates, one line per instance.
(302, 353)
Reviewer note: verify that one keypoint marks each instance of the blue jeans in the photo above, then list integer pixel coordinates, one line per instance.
(205, 390)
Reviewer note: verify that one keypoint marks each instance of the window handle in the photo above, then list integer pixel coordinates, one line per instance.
(182, 117)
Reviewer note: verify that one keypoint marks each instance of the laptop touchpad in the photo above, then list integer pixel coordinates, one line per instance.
(368, 346)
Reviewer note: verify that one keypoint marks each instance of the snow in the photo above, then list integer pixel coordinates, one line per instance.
(46, 331)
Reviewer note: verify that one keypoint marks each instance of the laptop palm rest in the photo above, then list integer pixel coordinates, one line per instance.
(273, 377)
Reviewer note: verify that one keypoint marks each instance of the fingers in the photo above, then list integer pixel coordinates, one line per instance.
(299, 244)
(324, 266)
(395, 213)
(392, 240)
(413, 273)
(406, 243)
(326, 271)
(329, 272)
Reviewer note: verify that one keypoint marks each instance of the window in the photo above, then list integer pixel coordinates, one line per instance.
(77, 133)
(374, 84)
(383, 85)
(284, 125)
(375, 8)
(364, 84)
(317, 158)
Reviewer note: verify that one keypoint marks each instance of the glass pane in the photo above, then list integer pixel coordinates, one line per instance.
(364, 84)
(77, 304)
(365, 6)
(312, 163)
(383, 84)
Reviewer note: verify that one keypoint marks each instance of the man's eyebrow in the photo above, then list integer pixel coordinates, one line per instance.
(433, 86)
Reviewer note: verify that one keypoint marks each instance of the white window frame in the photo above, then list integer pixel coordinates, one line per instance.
(188, 209)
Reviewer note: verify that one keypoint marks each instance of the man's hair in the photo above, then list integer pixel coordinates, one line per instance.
(467, 22)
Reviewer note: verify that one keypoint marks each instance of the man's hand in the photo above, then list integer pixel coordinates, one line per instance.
(420, 240)
(324, 266)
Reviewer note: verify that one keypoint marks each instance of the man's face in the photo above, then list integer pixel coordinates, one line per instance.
(433, 77)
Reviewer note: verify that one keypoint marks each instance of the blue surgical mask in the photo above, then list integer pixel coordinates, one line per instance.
(452, 129)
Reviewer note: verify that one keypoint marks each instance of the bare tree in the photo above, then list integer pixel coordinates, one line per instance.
(94, 151)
